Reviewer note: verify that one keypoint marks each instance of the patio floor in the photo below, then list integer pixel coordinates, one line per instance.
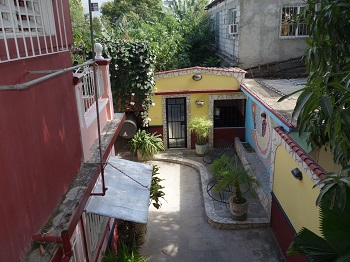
(179, 230)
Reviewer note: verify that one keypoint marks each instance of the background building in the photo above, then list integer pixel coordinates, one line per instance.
(251, 33)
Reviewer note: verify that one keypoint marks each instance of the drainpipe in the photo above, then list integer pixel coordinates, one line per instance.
(64, 239)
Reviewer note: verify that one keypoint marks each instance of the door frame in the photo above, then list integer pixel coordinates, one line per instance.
(183, 99)
(212, 98)
(164, 117)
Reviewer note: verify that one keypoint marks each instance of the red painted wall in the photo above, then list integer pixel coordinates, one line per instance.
(40, 150)
(228, 135)
(156, 129)
(283, 232)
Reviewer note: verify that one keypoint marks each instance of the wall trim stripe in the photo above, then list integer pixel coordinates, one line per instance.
(228, 91)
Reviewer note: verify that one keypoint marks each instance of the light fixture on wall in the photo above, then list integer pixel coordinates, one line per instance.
(199, 103)
(216, 113)
(297, 174)
(197, 77)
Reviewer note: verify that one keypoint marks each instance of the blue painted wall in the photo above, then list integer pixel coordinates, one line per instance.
(259, 129)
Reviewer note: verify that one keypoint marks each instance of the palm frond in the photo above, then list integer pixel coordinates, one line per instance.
(335, 226)
(315, 247)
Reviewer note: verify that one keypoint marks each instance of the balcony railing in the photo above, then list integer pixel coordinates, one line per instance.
(30, 28)
(93, 114)
(87, 95)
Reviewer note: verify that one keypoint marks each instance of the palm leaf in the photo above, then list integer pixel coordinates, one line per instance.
(335, 225)
(344, 257)
(289, 95)
(308, 243)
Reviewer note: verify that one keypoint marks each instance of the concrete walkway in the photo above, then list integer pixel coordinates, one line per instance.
(179, 230)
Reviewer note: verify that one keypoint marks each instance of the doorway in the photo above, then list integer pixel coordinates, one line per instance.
(176, 122)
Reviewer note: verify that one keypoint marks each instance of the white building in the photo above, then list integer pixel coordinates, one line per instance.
(96, 6)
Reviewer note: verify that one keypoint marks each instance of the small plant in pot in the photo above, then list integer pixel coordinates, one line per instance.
(231, 176)
(146, 145)
(200, 126)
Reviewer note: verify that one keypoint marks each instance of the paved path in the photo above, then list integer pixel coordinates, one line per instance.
(179, 232)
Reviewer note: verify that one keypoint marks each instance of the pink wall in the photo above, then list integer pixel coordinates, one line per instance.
(89, 134)
(40, 150)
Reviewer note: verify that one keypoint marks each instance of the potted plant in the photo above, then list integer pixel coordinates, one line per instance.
(200, 126)
(145, 144)
(231, 176)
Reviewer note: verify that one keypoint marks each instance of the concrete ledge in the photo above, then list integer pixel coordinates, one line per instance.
(213, 218)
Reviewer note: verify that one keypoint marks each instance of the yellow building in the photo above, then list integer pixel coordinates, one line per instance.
(183, 94)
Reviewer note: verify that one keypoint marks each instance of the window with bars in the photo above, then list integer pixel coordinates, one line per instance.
(292, 22)
(29, 28)
(94, 6)
(26, 17)
(232, 16)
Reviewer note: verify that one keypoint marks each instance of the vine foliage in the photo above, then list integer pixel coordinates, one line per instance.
(132, 75)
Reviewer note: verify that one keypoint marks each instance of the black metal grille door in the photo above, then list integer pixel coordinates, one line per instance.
(176, 122)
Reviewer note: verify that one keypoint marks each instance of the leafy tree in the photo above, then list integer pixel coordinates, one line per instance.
(323, 107)
(167, 42)
(201, 43)
(145, 10)
(109, 12)
(322, 110)
(197, 30)
(183, 9)
(81, 32)
(77, 18)
(182, 36)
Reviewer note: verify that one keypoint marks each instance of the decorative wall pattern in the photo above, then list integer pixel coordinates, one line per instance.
(261, 134)
(188, 117)
(212, 98)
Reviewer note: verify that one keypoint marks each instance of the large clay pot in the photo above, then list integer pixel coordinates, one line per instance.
(202, 149)
(140, 158)
(239, 211)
